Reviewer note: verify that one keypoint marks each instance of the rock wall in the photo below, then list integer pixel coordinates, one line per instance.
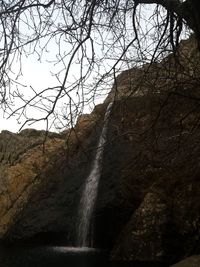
(153, 191)
(41, 180)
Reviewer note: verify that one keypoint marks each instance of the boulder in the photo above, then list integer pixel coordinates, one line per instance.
(193, 261)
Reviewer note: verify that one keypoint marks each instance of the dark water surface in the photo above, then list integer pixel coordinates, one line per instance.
(59, 257)
(50, 256)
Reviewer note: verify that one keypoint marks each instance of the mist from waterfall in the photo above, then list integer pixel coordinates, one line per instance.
(89, 193)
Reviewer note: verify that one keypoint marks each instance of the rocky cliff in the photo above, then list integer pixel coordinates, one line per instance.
(148, 200)
(40, 176)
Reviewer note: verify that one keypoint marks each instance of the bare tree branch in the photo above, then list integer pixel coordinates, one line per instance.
(92, 41)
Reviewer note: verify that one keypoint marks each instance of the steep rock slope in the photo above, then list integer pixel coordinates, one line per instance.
(165, 225)
(34, 172)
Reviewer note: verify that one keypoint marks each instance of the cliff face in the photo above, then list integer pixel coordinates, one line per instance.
(148, 200)
(38, 177)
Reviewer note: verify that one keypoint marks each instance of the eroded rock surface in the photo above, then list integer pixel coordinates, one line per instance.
(193, 261)
(40, 181)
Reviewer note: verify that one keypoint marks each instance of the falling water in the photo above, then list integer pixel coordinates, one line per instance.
(89, 194)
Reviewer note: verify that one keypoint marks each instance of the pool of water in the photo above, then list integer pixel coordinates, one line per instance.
(50, 256)
(34, 256)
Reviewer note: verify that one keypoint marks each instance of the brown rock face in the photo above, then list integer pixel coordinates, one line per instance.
(193, 261)
(165, 225)
(156, 176)
(34, 180)
(20, 165)
(154, 189)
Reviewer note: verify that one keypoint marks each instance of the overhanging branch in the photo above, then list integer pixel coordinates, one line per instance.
(174, 6)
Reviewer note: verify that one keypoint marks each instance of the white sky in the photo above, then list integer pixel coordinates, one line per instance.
(37, 75)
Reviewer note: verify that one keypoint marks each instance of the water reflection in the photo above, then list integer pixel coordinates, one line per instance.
(50, 256)
(61, 257)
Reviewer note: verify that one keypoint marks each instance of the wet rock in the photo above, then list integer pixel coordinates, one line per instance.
(193, 261)
(41, 178)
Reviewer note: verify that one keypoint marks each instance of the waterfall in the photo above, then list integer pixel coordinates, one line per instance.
(89, 193)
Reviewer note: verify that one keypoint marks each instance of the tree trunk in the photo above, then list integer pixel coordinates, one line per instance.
(195, 15)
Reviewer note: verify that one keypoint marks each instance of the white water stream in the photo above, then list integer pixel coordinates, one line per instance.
(89, 194)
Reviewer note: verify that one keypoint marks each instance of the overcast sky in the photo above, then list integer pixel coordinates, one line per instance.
(37, 75)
